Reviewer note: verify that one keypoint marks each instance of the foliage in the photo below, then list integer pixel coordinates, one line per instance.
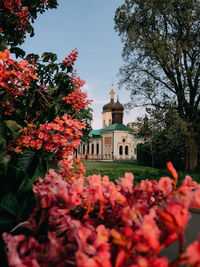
(70, 226)
(43, 111)
(16, 18)
(35, 96)
(161, 51)
(31, 96)
(164, 139)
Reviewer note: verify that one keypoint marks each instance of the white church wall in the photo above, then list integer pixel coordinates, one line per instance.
(106, 119)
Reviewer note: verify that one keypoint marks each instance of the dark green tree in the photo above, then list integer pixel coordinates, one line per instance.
(161, 52)
(164, 139)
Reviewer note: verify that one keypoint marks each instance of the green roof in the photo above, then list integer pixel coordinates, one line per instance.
(116, 127)
(95, 133)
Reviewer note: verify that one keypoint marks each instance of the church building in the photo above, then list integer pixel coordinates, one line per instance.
(115, 141)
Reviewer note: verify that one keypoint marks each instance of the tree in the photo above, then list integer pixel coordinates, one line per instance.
(165, 139)
(162, 51)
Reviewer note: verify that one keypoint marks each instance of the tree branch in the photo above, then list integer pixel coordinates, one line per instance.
(158, 79)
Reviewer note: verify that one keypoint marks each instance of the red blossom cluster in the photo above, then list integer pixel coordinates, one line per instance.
(15, 77)
(22, 13)
(59, 137)
(23, 19)
(76, 80)
(12, 5)
(77, 99)
(93, 222)
(71, 58)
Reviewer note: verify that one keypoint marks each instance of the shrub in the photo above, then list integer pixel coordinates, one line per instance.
(93, 222)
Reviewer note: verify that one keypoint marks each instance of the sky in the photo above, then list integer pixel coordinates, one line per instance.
(87, 25)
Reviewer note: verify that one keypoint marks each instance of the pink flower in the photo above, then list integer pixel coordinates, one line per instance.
(103, 235)
(196, 198)
(126, 183)
(175, 216)
(188, 181)
(185, 194)
(173, 171)
(159, 262)
(180, 214)
(12, 245)
(165, 185)
(192, 254)
(150, 231)
(145, 185)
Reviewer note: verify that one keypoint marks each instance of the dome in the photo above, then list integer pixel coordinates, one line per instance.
(108, 107)
(117, 106)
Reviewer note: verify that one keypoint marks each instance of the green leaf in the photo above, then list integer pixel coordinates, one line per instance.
(51, 84)
(18, 51)
(14, 128)
(63, 66)
(69, 68)
(28, 162)
(4, 221)
(4, 165)
(54, 57)
(2, 144)
(46, 56)
(25, 187)
(32, 55)
(9, 204)
(41, 170)
(3, 130)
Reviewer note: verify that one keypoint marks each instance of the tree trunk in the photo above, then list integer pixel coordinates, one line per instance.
(191, 148)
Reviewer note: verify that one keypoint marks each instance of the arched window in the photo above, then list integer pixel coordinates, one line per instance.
(88, 149)
(92, 148)
(97, 149)
(83, 149)
(126, 150)
(120, 150)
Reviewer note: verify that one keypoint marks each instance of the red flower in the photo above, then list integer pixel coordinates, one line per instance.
(173, 171)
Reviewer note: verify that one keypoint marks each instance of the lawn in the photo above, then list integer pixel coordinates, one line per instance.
(117, 169)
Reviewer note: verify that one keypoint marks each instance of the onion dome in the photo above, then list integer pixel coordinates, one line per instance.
(118, 106)
(108, 107)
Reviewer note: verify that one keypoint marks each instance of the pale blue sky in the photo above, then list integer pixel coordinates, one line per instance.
(87, 25)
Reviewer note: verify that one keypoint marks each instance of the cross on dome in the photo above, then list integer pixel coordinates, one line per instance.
(112, 93)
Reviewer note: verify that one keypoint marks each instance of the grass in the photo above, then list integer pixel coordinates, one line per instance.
(117, 169)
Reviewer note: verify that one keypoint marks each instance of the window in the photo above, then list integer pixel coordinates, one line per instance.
(123, 140)
(97, 149)
(120, 150)
(83, 149)
(126, 150)
(88, 149)
(92, 148)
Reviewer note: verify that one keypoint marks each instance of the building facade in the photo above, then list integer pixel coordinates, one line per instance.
(115, 141)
